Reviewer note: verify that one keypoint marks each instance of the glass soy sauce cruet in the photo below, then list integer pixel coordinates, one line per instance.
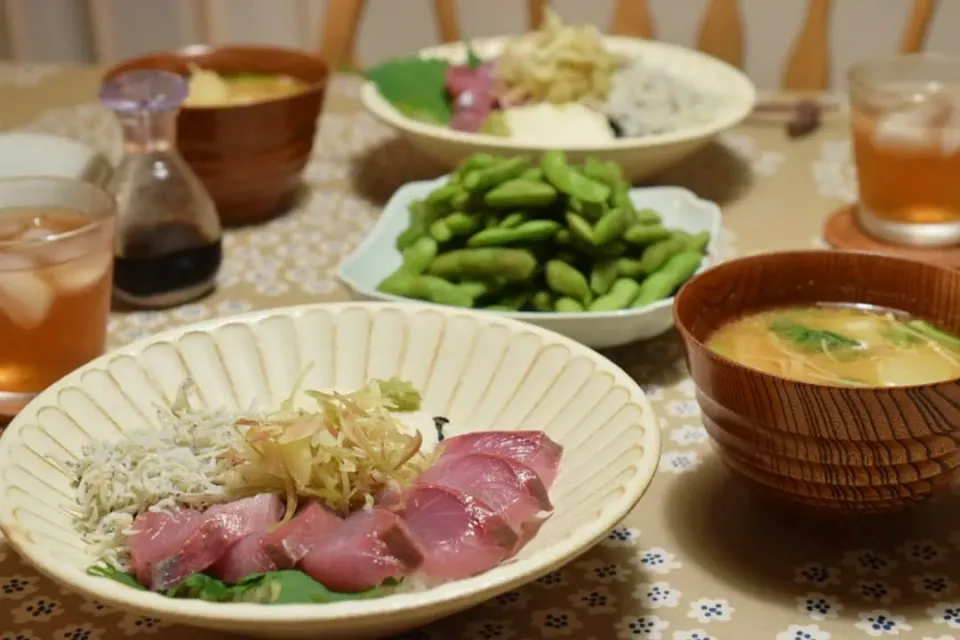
(168, 248)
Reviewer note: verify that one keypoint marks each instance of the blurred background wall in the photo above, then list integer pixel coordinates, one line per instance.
(108, 30)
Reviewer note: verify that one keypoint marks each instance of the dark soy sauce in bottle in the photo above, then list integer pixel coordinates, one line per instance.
(169, 248)
(171, 257)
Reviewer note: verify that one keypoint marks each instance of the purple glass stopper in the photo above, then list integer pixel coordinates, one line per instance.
(144, 89)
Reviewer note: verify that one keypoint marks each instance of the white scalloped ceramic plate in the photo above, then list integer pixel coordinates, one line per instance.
(377, 257)
(480, 370)
(641, 157)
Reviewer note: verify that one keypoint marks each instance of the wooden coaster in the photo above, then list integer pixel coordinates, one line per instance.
(843, 232)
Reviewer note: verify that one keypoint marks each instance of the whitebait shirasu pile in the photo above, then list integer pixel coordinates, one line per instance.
(646, 101)
(181, 463)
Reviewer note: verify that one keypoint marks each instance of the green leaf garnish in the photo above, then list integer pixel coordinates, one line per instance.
(473, 60)
(809, 339)
(415, 87)
(275, 587)
(399, 395)
(928, 330)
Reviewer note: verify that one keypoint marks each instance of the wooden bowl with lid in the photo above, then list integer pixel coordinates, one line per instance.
(249, 157)
(854, 449)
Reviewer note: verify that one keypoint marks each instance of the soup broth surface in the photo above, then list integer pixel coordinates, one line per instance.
(210, 89)
(842, 345)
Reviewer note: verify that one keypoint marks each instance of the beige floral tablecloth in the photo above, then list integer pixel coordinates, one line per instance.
(700, 558)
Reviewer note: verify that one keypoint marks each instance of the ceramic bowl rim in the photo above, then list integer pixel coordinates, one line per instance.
(742, 103)
(293, 615)
(691, 341)
(711, 209)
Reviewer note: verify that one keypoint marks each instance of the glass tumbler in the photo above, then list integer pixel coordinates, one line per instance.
(56, 263)
(905, 115)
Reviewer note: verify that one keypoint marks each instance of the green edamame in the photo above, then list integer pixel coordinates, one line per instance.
(513, 265)
(698, 242)
(510, 302)
(520, 193)
(603, 275)
(570, 181)
(622, 293)
(579, 228)
(418, 256)
(567, 305)
(661, 284)
(542, 301)
(426, 287)
(568, 281)
(415, 228)
(532, 231)
(514, 219)
(489, 177)
(440, 231)
(533, 174)
(646, 233)
(510, 234)
(646, 216)
(610, 227)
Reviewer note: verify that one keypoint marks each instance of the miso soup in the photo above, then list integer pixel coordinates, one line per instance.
(210, 89)
(841, 345)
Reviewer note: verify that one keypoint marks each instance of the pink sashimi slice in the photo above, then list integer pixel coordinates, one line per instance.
(511, 489)
(222, 526)
(461, 78)
(158, 534)
(246, 557)
(289, 542)
(461, 535)
(534, 449)
(366, 549)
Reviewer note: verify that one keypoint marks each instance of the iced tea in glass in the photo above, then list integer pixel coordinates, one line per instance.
(905, 115)
(56, 263)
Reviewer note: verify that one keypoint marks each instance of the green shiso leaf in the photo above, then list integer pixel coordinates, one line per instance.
(415, 87)
(276, 587)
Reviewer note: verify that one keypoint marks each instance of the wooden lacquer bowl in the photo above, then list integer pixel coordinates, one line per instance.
(837, 448)
(249, 157)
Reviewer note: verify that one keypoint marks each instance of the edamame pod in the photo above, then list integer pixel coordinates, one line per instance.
(415, 228)
(520, 193)
(657, 254)
(568, 180)
(440, 231)
(568, 281)
(477, 288)
(662, 283)
(567, 305)
(443, 195)
(698, 242)
(514, 219)
(601, 172)
(418, 256)
(622, 293)
(610, 227)
(490, 177)
(647, 216)
(426, 287)
(533, 174)
(513, 265)
(602, 276)
(532, 231)
(462, 224)
(542, 301)
(475, 161)
(510, 303)
(579, 228)
(646, 233)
